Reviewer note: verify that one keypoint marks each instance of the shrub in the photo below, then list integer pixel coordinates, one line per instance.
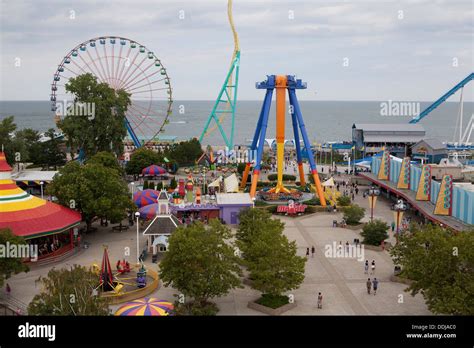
(145, 185)
(260, 203)
(343, 201)
(159, 186)
(353, 214)
(375, 232)
(273, 301)
(173, 183)
(196, 308)
(286, 177)
(312, 201)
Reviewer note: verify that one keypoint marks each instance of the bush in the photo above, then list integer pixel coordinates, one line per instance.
(375, 232)
(159, 186)
(286, 177)
(343, 201)
(273, 301)
(260, 203)
(145, 185)
(196, 309)
(353, 214)
(312, 201)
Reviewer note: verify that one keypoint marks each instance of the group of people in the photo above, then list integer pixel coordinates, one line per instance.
(371, 284)
(313, 250)
(47, 246)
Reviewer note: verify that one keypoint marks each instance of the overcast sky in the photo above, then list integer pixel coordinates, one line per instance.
(395, 50)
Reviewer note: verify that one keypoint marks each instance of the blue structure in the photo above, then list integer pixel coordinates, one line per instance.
(443, 98)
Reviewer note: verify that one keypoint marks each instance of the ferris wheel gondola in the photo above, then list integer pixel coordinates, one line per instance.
(125, 65)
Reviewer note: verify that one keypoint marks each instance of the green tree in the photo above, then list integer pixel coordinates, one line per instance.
(106, 159)
(270, 258)
(52, 154)
(68, 292)
(142, 158)
(7, 130)
(94, 190)
(441, 266)
(353, 214)
(105, 129)
(185, 153)
(10, 265)
(200, 262)
(375, 232)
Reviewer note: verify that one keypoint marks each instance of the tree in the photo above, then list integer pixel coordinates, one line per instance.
(353, 214)
(52, 154)
(251, 222)
(200, 262)
(185, 153)
(270, 258)
(94, 190)
(375, 232)
(10, 265)
(440, 264)
(103, 130)
(106, 159)
(272, 263)
(142, 158)
(68, 292)
(173, 183)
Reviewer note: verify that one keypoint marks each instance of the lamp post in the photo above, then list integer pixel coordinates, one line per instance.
(41, 184)
(373, 193)
(399, 208)
(137, 215)
(253, 202)
(133, 188)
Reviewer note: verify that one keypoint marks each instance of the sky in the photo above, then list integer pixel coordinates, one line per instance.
(345, 50)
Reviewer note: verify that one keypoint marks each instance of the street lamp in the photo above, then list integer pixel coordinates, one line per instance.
(399, 208)
(41, 184)
(137, 215)
(373, 193)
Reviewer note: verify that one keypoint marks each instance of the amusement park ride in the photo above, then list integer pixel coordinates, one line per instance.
(123, 64)
(282, 83)
(227, 98)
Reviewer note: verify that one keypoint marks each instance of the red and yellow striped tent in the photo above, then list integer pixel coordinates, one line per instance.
(29, 216)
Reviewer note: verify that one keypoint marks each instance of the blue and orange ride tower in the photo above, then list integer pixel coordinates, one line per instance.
(282, 83)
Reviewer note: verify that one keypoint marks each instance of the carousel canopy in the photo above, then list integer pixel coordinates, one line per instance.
(145, 197)
(29, 216)
(154, 170)
(146, 306)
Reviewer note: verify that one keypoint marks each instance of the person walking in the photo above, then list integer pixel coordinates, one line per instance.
(393, 226)
(307, 252)
(375, 284)
(369, 285)
(312, 251)
(8, 289)
(373, 267)
(366, 267)
(347, 246)
(320, 301)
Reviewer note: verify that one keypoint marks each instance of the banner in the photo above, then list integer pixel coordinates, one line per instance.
(404, 177)
(424, 187)
(384, 171)
(445, 197)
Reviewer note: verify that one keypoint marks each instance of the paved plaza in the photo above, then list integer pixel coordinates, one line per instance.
(341, 280)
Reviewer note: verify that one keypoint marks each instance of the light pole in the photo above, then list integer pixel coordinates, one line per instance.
(133, 188)
(373, 193)
(137, 215)
(41, 184)
(399, 208)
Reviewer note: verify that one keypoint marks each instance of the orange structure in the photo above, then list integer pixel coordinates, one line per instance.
(282, 83)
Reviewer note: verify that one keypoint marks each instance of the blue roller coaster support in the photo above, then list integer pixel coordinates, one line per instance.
(134, 137)
(437, 103)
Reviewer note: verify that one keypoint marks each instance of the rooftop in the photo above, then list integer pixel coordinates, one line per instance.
(233, 199)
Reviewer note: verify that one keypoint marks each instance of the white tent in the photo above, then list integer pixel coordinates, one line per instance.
(329, 183)
(216, 183)
(231, 184)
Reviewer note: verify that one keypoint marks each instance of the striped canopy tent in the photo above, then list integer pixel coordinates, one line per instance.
(29, 216)
(146, 306)
(154, 170)
(148, 212)
(145, 197)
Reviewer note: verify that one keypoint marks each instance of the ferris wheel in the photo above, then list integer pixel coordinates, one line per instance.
(126, 65)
